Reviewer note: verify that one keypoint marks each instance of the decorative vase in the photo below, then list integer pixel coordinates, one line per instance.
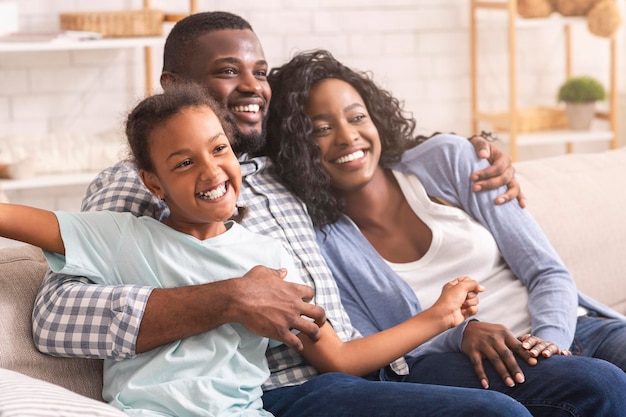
(580, 115)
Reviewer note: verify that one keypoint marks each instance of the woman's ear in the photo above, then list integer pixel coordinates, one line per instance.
(151, 181)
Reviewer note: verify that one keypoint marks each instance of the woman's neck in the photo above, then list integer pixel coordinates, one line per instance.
(378, 201)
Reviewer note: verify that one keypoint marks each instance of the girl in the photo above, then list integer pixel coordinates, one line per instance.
(179, 142)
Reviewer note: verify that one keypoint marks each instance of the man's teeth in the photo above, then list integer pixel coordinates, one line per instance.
(252, 108)
(214, 193)
(351, 157)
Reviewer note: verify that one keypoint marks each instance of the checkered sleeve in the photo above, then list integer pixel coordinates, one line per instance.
(74, 317)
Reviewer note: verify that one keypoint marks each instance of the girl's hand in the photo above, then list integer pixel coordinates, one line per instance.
(458, 300)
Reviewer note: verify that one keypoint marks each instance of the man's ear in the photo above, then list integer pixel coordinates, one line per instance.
(151, 181)
(168, 79)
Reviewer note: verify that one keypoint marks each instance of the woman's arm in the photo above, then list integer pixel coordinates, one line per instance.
(361, 356)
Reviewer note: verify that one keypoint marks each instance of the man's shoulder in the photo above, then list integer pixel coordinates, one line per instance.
(119, 188)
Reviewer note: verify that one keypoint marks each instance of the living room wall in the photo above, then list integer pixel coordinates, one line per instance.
(418, 49)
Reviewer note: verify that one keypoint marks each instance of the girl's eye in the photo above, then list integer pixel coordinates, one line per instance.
(220, 148)
(185, 163)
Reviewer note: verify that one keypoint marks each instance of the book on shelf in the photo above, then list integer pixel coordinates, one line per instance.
(56, 36)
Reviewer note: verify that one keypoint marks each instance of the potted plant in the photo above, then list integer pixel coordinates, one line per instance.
(580, 95)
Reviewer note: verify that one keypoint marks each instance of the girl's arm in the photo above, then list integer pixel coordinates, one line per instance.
(359, 357)
(31, 225)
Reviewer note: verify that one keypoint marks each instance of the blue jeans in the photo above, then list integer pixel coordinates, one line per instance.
(599, 337)
(558, 386)
(446, 385)
(340, 395)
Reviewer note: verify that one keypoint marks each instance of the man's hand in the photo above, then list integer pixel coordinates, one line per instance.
(260, 300)
(499, 346)
(271, 307)
(500, 172)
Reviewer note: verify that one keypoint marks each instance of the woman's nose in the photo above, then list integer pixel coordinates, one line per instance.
(346, 134)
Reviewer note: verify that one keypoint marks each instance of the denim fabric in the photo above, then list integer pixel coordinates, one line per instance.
(555, 387)
(340, 395)
(600, 337)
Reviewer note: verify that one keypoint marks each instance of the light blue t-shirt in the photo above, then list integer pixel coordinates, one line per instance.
(216, 373)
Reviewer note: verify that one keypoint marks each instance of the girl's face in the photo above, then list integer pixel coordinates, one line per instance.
(348, 140)
(196, 172)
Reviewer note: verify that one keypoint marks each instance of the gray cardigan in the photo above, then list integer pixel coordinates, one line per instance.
(376, 298)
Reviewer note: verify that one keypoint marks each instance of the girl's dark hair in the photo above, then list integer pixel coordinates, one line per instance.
(289, 140)
(156, 110)
(182, 41)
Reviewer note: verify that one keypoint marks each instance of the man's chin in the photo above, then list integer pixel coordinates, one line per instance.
(249, 142)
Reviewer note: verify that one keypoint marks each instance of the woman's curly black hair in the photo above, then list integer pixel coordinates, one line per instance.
(289, 141)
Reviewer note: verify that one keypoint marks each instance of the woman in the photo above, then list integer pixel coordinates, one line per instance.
(345, 147)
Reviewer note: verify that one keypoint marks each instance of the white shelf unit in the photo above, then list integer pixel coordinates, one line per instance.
(505, 16)
(61, 180)
(145, 42)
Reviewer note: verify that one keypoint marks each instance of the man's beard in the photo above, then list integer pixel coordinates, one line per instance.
(250, 143)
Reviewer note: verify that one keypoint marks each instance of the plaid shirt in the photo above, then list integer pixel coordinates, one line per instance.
(98, 321)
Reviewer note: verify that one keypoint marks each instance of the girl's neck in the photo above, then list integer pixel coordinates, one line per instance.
(199, 231)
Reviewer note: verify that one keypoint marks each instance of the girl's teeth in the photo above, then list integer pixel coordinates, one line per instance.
(351, 157)
(215, 193)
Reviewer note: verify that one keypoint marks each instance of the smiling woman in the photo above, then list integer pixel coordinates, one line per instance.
(395, 221)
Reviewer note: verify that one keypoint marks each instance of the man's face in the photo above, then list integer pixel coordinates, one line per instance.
(231, 65)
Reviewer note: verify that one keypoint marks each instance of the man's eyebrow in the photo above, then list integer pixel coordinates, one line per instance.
(233, 60)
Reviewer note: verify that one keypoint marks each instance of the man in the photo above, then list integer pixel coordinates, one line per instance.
(221, 52)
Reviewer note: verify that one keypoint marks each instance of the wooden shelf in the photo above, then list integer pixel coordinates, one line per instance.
(502, 15)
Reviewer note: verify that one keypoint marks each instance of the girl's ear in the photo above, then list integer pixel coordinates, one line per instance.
(153, 184)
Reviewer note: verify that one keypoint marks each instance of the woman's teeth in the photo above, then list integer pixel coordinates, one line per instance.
(353, 156)
(215, 193)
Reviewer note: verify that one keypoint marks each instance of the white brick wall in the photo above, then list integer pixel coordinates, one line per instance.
(416, 48)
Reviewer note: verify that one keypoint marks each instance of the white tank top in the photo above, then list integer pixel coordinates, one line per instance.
(462, 247)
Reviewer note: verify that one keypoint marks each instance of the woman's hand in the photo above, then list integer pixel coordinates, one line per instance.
(495, 343)
(458, 300)
(500, 172)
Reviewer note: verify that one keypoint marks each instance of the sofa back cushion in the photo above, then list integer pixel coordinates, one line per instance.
(22, 269)
(580, 202)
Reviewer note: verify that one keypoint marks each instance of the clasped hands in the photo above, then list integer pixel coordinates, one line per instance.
(496, 343)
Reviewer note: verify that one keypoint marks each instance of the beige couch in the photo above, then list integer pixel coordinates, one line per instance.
(579, 199)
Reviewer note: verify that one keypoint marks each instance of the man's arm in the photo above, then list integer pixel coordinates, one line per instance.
(500, 171)
(74, 317)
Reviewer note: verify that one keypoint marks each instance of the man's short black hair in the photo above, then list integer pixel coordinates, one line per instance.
(182, 40)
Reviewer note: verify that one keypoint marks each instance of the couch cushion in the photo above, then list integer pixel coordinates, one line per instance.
(21, 270)
(22, 396)
(580, 202)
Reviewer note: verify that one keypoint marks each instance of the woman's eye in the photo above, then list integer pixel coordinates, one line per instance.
(358, 117)
(320, 130)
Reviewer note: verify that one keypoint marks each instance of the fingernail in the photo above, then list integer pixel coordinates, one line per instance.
(509, 382)
(484, 383)
(519, 378)
(477, 187)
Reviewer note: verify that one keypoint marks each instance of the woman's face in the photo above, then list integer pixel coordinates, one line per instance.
(348, 140)
(196, 171)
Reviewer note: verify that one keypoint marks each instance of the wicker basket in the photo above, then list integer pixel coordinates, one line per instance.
(125, 23)
(529, 119)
